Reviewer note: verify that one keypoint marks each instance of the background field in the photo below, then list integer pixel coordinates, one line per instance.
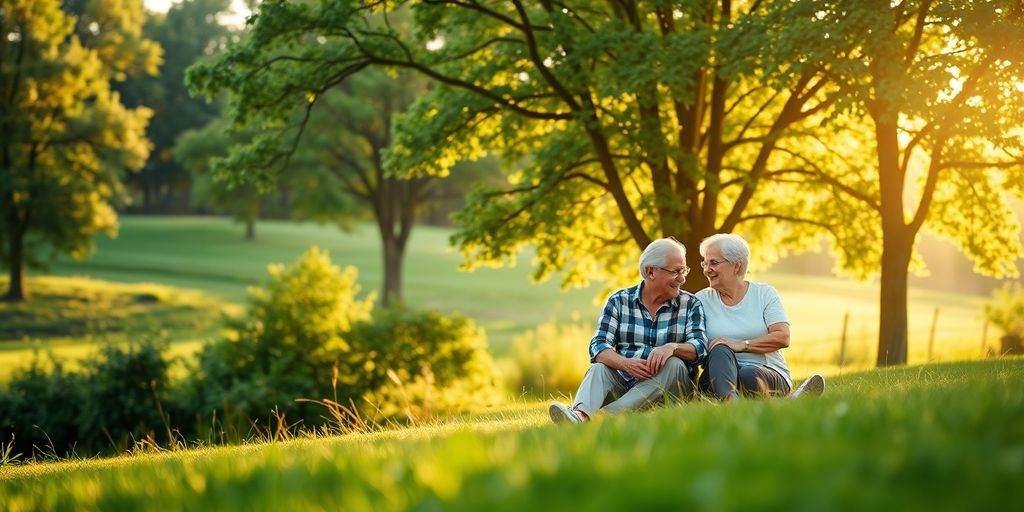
(209, 254)
(938, 437)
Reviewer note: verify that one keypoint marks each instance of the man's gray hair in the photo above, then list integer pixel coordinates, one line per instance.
(734, 249)
(657, 252)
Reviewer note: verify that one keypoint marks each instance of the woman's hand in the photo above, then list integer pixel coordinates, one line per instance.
(735, 346)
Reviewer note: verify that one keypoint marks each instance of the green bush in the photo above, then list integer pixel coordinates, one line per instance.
(1006, 309)
(416, 364)
(549, 359)
(124, 395)
(108, 407)
(284, 348)
(41, 408)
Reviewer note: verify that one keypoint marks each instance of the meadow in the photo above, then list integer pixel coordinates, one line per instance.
(209, 254)
(938, 437)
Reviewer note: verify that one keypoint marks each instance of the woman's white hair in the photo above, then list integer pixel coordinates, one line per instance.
(734, 249)
(657, 252)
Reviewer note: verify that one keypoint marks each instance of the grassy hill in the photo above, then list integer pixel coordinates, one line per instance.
(937, 437)
(72, 317)
(210, 254)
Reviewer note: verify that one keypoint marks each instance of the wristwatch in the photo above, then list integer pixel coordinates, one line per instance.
(746, 345)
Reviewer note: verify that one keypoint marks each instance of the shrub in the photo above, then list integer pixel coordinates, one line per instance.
(417, 363)
(286, 345)
(41, 408)
(113, 403)
(124, 395)
(550, 359)
(1006, 309)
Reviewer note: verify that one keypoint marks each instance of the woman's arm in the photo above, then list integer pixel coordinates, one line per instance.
(777, 338)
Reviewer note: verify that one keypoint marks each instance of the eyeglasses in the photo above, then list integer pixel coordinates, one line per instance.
(712, 264)
(677, 272)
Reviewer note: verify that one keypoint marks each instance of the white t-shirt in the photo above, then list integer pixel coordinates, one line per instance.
(749, 319)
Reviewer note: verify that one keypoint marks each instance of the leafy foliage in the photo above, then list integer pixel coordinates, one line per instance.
(936, 86)
(286, 345)
(124, 391)
(188, 31)
(67, 137)
(550, 359)
(112, 404)
(307, 336)
(1006, 309)
(618, 110)
(418, 364)
(41, 407)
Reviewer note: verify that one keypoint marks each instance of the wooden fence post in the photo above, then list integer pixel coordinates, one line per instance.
(931, 335)
(842, 341)
(984, 339)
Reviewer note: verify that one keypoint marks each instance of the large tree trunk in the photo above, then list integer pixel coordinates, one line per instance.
(897, 244)
(696, 280)
(892, 325)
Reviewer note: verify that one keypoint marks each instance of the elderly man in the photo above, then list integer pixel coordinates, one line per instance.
(648, 344)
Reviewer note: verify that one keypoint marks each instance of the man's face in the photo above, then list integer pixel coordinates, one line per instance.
(666, 280)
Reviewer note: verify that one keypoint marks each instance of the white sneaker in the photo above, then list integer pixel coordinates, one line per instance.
(814, 385)
(561, 412)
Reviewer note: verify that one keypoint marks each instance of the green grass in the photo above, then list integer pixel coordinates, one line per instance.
(72, 317)
(209, 254)
(937, 437)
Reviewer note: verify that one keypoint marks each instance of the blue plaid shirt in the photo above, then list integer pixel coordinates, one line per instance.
(627, 327)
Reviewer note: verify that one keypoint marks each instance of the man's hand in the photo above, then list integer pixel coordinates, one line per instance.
(659, 356)
(638, 368)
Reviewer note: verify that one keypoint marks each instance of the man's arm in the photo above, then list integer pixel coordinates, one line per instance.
(693, 349)
(696, 332)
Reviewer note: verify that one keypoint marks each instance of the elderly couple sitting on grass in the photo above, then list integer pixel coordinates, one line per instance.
(652, 336)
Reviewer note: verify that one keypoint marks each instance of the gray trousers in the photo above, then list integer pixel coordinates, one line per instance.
(723, 377)
(603, 387)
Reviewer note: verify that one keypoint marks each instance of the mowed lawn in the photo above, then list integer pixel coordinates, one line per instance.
(209, 254)
(937, 437)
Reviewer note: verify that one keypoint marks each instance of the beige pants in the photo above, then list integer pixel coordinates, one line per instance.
(604, 387)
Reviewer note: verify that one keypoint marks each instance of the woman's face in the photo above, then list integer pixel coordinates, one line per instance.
(719, 271)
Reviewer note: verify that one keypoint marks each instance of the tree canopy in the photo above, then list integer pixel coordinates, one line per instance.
(67, 138)
(934, 89)
(780, 120)
(638, 120)
(188, 31)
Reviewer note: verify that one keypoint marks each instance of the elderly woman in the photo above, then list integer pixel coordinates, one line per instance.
(747, 326)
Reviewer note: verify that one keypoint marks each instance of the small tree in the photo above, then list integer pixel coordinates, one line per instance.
(287, 344)
(1006, 312)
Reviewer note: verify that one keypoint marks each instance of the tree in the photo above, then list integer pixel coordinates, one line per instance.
(332, 144)
(188, 31)
(638, 119)
(933, 87)
(66, 137)
(349, 132)
(193, 151)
